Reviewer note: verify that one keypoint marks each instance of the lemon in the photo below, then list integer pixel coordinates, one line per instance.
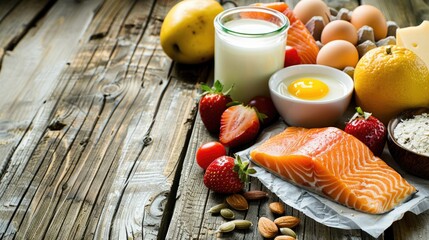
(391, 79)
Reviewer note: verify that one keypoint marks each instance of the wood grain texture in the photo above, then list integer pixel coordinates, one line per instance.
(99, 128)
(16, 19)
(106, 168)
(28, 76)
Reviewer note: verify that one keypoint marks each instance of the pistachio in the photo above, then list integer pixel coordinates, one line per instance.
(227, 213)
(216, 209)
(255, 195)
(267, 228)
(226, 227)
(238, 202)
(277, 208)
(242, 224)
(288, 232)
(286, 221)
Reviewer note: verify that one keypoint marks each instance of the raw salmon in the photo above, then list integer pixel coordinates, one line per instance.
(298, 35)
(301, 39)
(335, 164)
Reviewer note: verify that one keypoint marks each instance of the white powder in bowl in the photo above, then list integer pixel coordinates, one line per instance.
(413, 133)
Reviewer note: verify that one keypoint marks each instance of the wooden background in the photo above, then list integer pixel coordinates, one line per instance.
(98, 127)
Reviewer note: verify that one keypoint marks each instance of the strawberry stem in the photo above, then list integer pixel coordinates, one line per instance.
(360, 111)
(217, 88)
(243, 169)
(261, 116)
(233, 103)
(360, 114)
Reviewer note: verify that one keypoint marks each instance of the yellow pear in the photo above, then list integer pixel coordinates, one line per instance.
(187, 33)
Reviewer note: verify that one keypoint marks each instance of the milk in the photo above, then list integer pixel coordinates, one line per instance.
(246, 61)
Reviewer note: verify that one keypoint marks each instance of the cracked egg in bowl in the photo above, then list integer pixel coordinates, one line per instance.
(311, 95)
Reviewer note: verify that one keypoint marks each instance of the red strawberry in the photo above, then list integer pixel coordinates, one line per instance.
(367, 129)
(212, 105)
(227, 175)
(239, 125)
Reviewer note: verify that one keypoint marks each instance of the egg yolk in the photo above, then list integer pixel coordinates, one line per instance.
(308, 88)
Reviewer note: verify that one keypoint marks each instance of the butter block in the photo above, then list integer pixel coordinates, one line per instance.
(416, 39)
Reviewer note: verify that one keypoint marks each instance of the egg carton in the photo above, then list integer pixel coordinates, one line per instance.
(366, 39)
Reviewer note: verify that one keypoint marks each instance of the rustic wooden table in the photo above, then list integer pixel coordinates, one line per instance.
(98, 127)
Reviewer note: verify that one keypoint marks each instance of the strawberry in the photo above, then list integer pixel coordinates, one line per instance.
(367, 129)
(239, 125)
(227, 175)
(212, 105)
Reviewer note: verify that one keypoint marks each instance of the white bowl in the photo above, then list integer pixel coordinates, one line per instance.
(310, 113)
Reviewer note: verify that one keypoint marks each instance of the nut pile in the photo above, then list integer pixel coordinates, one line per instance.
(282, 224)
(280, 228)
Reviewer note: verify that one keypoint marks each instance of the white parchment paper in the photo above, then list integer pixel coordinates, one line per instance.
(331, 213)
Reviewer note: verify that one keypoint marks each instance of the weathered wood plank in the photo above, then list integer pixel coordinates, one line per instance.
(114, 96)
(29, 74)
(6, 7)
(420, 9)
(412, 226)
(16, 18)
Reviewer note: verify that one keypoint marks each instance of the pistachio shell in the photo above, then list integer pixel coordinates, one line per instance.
(226, 227)
(288, 232)
(242, 224)
(227, 213)
(216, 209)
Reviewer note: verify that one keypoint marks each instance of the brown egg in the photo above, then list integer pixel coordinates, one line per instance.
(370, 16)
(306, 9)
(339, 30)
(338, 54)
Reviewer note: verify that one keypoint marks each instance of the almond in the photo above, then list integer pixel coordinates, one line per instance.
(277, 208)
(267, 228)
(238, 202)
(286, 221)
(255, 195)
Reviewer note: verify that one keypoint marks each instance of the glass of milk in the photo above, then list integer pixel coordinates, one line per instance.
(249, 47)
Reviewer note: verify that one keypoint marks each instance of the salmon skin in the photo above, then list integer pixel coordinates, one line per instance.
(336, 165)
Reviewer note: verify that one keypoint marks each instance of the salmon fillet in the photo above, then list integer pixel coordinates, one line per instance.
(301, 39)
(298, 35)
(336, 165)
